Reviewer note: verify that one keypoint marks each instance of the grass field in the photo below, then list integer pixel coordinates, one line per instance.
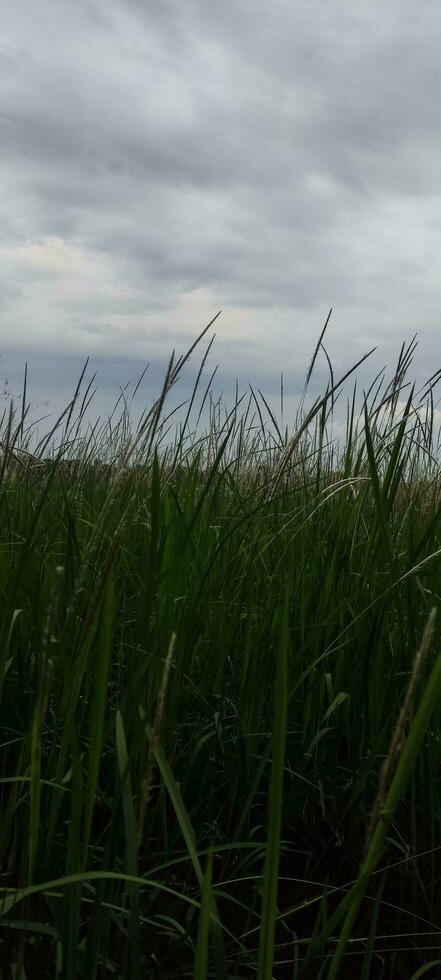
(220, 681)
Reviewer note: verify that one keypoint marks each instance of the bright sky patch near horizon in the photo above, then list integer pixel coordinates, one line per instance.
(162, 160)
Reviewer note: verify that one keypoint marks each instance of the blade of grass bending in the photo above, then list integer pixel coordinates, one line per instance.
(201, 957)
(185, 357)
(314, 358)
(425, 969)
(351, 903)
(189, 837)
(42, 445)
(178, 806)
(271, 868)
(210, 478)
(289, 450)
(394, 469)
(177, 452)
(10, 897)
(5, 661)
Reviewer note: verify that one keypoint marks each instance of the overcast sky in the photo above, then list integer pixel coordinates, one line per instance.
(161, 160)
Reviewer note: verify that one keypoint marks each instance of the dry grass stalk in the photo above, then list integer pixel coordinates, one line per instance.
(390, 762)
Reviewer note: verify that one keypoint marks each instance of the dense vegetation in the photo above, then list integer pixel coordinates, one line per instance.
(220, 684)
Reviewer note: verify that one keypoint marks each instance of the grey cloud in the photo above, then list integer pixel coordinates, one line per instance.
(278, 159)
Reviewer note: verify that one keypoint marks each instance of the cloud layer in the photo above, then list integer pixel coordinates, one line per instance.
(166, 159)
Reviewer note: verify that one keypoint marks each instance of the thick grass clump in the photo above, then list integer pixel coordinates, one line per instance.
(220, 684)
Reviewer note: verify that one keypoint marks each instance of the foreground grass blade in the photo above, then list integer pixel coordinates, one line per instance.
(349, 907)
(189, 837)
(425, 969)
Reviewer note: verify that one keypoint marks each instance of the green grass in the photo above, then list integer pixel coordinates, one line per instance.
(220, 686)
